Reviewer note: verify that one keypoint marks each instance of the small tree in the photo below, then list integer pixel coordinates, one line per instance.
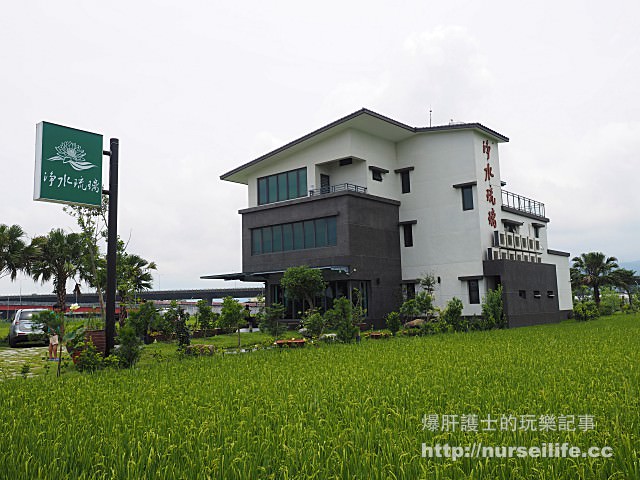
(393, 322)
(428, 282)
(271, 320)
(204, 316)
(232, 314)
(341, 316)
(303, 283)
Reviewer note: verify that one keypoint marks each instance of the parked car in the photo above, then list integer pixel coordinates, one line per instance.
(22, 330)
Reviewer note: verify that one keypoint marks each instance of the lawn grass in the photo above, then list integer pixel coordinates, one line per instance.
(336, 411)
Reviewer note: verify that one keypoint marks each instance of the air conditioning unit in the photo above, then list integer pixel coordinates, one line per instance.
(519, 256)
(525, 243)
(512, 255)
(493, 254)
(510, 243)
(504, 254)
(532, 245)
(538, 245)
(538, 258)
(516, 242)
(525, 257)
(499, 239)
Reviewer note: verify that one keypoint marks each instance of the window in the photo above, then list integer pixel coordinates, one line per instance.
(550, 294)
(408, 234)
(536, 294)
(406, 183)
(536, 231)
(282, 186)
(474, 292)
(467, 198)
(320, 232)
(522, 294)
(376, 175)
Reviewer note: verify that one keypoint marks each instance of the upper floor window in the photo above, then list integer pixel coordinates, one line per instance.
(320, 232)
(467, 197)
(405, 179)
(377, 172)
(282, 186)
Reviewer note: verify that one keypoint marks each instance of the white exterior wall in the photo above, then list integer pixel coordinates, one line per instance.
(565, 297)
(446, 238)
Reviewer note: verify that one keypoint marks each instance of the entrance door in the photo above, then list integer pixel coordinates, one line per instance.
(325, 183)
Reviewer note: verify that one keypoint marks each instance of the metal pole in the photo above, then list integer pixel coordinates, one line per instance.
(112, 246)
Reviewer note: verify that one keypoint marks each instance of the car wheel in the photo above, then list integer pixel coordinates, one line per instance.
(12, 342)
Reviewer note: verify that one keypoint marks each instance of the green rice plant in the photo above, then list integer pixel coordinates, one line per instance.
(337, 411)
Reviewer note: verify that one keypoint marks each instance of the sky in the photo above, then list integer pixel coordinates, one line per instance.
(193, 89)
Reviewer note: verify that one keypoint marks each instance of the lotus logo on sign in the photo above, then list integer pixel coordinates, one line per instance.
(68, 165)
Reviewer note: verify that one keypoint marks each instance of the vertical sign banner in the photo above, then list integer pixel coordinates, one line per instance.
(68, 165)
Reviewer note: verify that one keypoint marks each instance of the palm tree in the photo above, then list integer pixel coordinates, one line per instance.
(60, 259)
(626, 280)
(15, 254)
(594, 270)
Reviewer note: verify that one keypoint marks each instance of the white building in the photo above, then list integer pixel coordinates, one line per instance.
(378, 204)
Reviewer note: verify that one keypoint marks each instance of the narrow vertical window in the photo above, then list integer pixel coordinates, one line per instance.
(332, 233)
(262, 191)
(282, 187)
(406, 183)
(256, 241)
(277, 238)
(287, 237)
(321, 232)
(267, 241)
(302, 182)
(273, 188)
(298, 236)
(474, 292)
(467, 198)
(293, 184)
(309, 234)
(408, 234)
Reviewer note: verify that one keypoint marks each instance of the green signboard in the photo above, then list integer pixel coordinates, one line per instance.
(68, 165)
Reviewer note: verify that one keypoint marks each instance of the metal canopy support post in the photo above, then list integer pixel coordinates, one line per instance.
(112, 246)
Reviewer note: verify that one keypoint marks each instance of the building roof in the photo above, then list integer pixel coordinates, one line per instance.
(364, 120)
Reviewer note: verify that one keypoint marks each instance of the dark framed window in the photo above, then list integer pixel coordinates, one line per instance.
(282, 186)
(474, 292)
(536, 231)
(467, 197)
(522, 293)
(376, 175)
(408, 234)
(320, 232)
(406, 181)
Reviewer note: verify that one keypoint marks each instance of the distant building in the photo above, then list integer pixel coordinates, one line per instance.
(377, 204)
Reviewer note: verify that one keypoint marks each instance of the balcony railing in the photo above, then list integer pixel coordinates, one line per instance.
(523, 204)
(341, 187)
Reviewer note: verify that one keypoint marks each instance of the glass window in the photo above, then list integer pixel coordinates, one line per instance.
(467, 198)
(282, 187)
(267, 243)
(293, 184)
(302, 182)
(273, 188)
(406, 184)
(256, 241)
(376, 175)
(332, 233)
(262, 191)
(474, 292)
(309, 234)
(298, 236)
(321, 232)
(277, 238)
(287, 237)
(408, 235)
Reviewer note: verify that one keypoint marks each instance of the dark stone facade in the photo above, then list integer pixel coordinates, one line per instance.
(520, 280)
(368, 243)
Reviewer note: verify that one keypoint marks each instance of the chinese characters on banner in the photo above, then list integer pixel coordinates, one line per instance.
(488, 175)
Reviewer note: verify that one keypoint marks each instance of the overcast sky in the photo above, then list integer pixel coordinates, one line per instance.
(195, 88)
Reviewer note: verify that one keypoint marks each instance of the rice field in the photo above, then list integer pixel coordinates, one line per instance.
(340, 411)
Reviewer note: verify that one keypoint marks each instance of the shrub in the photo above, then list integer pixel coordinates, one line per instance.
(583, 311)
(144, 319)
(204, 316)
(452, 314)
(89, 359)
(130, 349)
(493, 310)
(393, 322)
(315, 323)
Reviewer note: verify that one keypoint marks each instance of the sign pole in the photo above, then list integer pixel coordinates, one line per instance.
(112, 245)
